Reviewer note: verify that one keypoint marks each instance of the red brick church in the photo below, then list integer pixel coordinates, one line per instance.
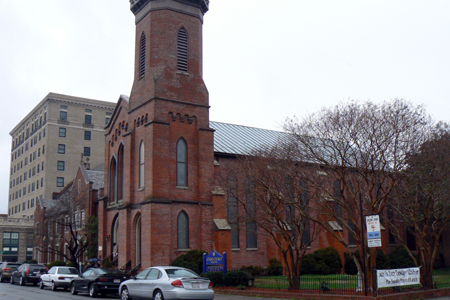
(159, 157)
(164, 158)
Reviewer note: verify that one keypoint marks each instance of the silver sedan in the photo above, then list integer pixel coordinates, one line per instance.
(167, 283)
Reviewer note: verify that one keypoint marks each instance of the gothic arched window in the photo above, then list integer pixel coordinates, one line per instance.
(141, 165)
(183, 230)
(120, 170)
(142, 57)
(182, 163)
(182, 57)
(112, 180)
(233, 212)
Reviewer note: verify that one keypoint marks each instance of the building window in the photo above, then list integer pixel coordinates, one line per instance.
(304, 197)
(142, 57)
(61, 165)
(88, 110)
(63, 106)
(120, 173)
(60, 181)
(182, 50)
(82, 219)
(62, 132)
(113, 180)
(43, 149)
(182, 163)
(87, 151)
(61, 149)
(141, 165)
(87, 119)
(251, 215)
(87, 135)
(107, 121)
(63, 115)
(183, 230)
(233, 212)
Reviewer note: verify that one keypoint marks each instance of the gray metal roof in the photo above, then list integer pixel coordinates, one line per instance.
(97, 178)
(238, 139)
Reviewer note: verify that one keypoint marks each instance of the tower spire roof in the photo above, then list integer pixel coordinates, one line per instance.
(137, 5)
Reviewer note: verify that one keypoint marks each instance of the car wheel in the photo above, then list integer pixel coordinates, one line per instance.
(21, 282)
(53, 286)
(41, 284)
(73, 289)
(124, 294)
(158, 295)
(92, 291)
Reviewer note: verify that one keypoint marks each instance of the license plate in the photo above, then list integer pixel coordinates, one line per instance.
(196, 285)
(116, 280)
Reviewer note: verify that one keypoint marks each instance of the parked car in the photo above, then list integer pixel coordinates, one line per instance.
(6, 269)
(28, 273)
(58, 277)
(97, 280)
(166, 283)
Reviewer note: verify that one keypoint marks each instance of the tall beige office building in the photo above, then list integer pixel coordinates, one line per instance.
(49, 144)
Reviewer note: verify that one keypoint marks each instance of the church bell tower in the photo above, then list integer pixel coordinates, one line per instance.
(168, 57)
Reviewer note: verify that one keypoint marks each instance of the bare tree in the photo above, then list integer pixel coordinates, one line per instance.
(276, 200)
(358, 150)
(424, 208)
(66, 227)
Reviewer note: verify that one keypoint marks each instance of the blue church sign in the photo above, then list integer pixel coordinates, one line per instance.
(214, 259)
(214, 262)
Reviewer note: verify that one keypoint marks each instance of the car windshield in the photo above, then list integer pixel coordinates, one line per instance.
(108, 271)
(178, 273)
(67, 271)
(12, 268)
(37, 268)
(12, 265)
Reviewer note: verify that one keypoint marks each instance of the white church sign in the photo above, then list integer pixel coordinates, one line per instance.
(398, 277)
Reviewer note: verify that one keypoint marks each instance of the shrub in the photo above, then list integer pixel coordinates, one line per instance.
(275, 267)
(192, 260)
(215, 277)
(107, 263)
(329, 257)
(31, 261)
(382, 260)
(350, 266)
(253, 270)
(235, 278)
(69, 264)
(308, 264)
(56, 263)
(400, 258)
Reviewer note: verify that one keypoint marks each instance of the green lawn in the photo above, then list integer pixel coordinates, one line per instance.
(337, 281)
(441, 278)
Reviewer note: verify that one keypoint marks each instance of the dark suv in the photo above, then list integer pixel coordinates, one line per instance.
(6, 269)
(28, 273)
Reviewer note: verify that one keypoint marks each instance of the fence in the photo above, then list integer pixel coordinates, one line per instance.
(342, 284)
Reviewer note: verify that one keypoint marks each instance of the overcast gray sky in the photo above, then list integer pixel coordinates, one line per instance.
(263, 60)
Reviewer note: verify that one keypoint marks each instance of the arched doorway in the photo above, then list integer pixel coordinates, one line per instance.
(138, 241)
(115, 240)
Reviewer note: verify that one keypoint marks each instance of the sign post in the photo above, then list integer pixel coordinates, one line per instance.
(373, 231)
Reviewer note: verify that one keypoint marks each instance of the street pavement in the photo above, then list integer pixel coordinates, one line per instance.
(17, 292)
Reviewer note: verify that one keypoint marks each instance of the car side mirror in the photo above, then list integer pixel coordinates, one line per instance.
(133, 277)
(80, 275)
